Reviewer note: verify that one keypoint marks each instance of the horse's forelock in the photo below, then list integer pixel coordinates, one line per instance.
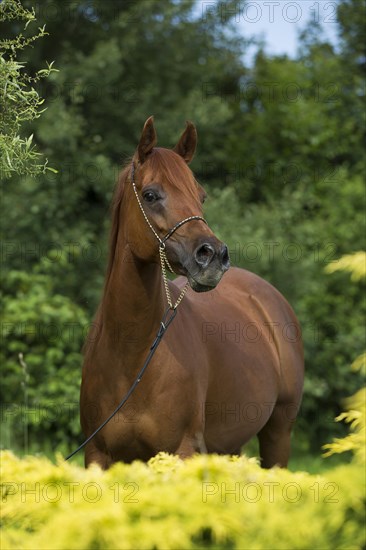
(174, 170)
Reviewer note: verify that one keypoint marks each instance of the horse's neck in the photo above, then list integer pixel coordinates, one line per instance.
(133, 303)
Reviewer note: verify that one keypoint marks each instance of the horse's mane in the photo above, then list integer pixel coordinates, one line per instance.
(115, 214)
(173, 169)
(113, 236)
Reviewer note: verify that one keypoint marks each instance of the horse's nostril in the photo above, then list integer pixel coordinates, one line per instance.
(204, 254)
(225, 259)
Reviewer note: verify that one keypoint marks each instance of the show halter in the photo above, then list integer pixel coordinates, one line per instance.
(166, 320)
(162, 252)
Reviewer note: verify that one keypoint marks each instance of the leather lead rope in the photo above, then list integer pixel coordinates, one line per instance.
(164, 324)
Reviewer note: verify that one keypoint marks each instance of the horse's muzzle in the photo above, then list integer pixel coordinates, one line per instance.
(209, 263)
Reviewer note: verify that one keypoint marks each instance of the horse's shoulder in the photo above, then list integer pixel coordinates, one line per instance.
(239, 281)
(247, 281)
(238, 286)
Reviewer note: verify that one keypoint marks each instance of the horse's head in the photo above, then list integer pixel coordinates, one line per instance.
(168, 194)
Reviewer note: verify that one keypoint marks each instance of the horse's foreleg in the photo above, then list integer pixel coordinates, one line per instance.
(275, 437)
(94, 456)
(190, 445)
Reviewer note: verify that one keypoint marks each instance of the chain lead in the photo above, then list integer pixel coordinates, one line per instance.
(163, 262)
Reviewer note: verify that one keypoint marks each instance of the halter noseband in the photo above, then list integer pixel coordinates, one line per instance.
(163, 257)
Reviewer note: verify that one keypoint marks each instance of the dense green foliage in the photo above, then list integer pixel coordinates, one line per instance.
(280, 153)
(41, 391)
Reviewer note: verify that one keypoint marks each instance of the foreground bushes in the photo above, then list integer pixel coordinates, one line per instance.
(204, 502)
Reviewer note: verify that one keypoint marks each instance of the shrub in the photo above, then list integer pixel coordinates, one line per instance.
(19, 101)
(203, 502)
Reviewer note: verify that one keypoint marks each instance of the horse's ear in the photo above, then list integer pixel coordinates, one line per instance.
(148, 140)
(186, 146)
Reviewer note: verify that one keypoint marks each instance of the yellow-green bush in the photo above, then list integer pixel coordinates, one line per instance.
(203, 502)
(354, 263)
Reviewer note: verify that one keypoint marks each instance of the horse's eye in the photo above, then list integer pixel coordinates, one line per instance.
(150, 196)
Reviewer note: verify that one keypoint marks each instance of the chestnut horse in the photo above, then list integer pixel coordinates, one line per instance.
(229, 367)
